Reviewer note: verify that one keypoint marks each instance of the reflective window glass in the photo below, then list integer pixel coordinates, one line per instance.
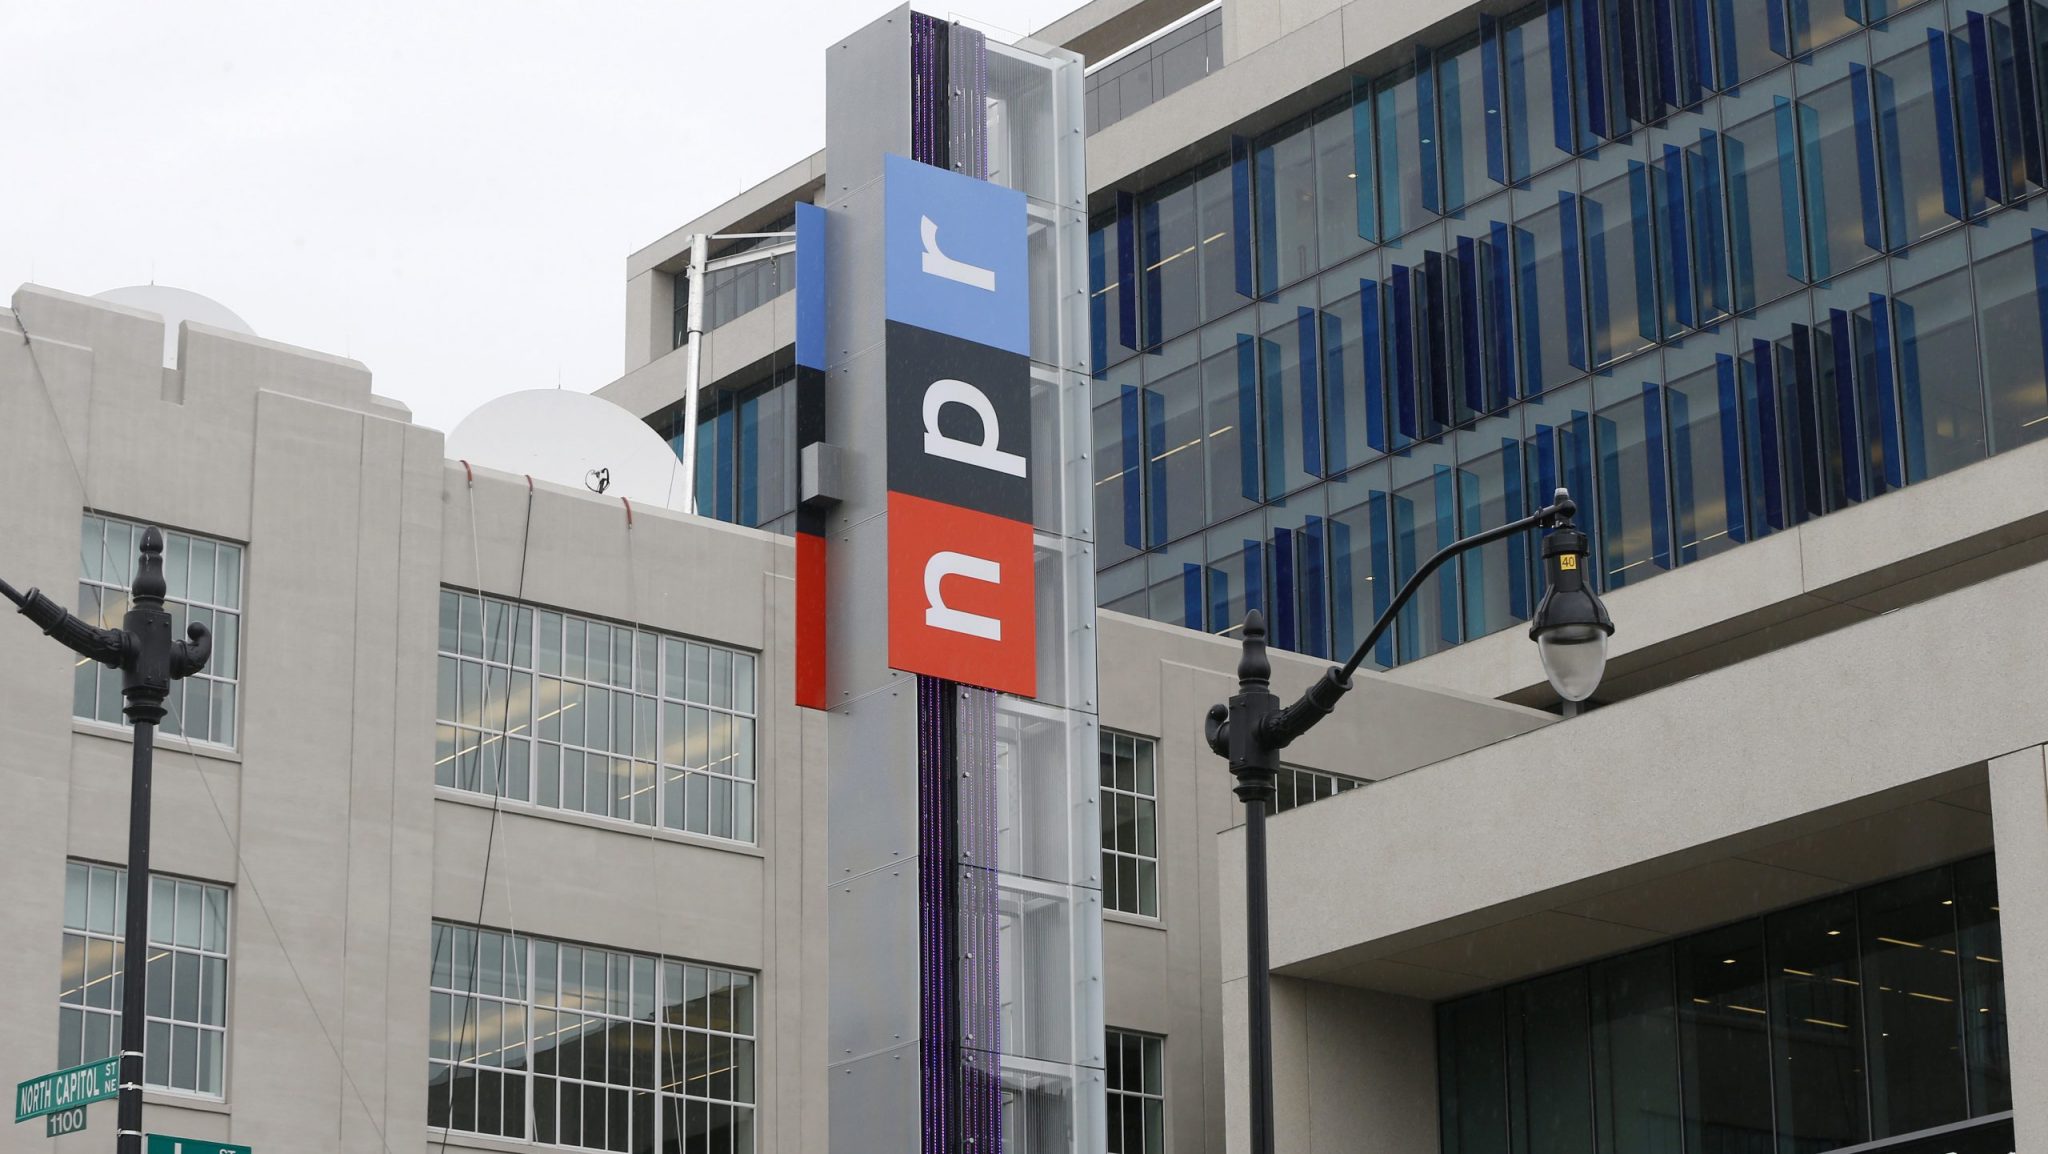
(1284, 182)
(1704, 413)
(1725, 1052)
(1911, 997)
(1763, 200)
(1338, 165)
(1635, 1054)
(1176, 487)
(1550, 1063)
(1635, 518)
(1816, 1026)
(1941, 403)
(1361, 561)
(1170, 288)
(1225, 252)
(2012, 311)
(1407, 188)
(1537, 90)
(1471, 1069)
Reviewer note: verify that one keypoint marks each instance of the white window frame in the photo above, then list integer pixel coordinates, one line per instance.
(1130, 794)
(99, 966)
(505, 698)
(636, 992)
(1121, 1097)
(108, 548)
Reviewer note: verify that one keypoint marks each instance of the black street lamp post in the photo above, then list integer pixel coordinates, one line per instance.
(1570, 628)
(149, 659)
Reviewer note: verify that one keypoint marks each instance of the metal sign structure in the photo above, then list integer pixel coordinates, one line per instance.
(64, 1122)
(67, 1089)
(943, 425)
(165, 1144)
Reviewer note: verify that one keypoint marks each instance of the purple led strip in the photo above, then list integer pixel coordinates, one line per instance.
(935, 921)
(980, 923)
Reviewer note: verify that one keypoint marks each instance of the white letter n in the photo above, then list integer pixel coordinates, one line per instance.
(940, 265)
(938, 615)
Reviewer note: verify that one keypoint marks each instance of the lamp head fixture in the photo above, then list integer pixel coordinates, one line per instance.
(1571, 626)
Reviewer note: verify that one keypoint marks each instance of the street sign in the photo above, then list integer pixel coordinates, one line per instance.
(165, 1144)
(92, 1082)
(64, 1122)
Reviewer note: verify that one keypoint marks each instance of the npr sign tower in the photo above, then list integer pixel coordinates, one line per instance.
(946, 593)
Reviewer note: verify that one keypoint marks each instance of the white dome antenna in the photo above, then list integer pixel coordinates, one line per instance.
(573, 439)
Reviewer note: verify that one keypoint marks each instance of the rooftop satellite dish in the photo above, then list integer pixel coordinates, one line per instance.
(573, 439)
(176, 305)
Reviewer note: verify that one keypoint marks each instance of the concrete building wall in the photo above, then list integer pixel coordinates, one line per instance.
(323, 817)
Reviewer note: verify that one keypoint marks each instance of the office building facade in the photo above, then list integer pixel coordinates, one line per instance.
(1365, 281)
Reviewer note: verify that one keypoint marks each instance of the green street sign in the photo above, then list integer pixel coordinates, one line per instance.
(64, 1122)
(165, 1144)
(92, 1082)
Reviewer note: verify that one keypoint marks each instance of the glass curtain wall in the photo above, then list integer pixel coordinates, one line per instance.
(1862, 1017)
(1702, 261)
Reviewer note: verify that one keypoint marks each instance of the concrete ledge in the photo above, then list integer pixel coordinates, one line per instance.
(1899, 549)
(1877, 770)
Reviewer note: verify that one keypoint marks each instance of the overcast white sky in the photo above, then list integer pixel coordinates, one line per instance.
(444, 191)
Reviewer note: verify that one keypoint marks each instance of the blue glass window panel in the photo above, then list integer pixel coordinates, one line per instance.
(1479, 310)
(1119, 472)
(1171, 290)
(1176, 484)
(1549, 309)
(1400, 134)
(1407, 337)
(1223, 246)
(1538, 94)
(1934, 323)
(1424, 508)
(1672, 237)
(1558, 453)
(1976, 114)
(1621, 265)
(1775, 383)
(1230, 402)
(1471, 141)
(1238, 571)
(1635, 519)
(1105, 298)
(1749, 39)
(2011, 274)
(1917, 149)
(1122, 589)
(1361, 561)
(1703, 409)
(1354, 365)
(1338, 236)
(1763, 197)
(1708, 213)
(766, 436)
(1492, 491)
(1856, 395)
(1284, 191)
(1297, 539)
(1290, 388)
(1815, 23)
(1175, 587)
(1840, 158)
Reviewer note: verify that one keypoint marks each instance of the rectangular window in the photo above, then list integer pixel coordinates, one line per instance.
(1136, 1092)
(576, 1046)
(1298, 786)
(185, 1030)
(1861, 1017)
(1130, 800)
(584, 715)
(203, 579)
